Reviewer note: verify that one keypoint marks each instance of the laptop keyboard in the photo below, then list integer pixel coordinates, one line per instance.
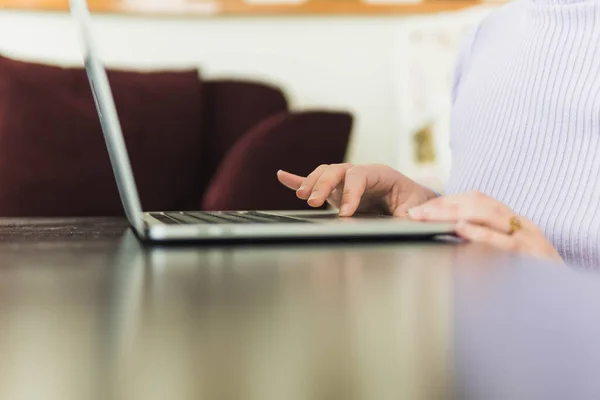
(224, 217)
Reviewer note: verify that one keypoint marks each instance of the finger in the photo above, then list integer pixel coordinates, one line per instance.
(473, 207)
(355, 184)
(289, 180)
(482, 234)
(306, 187)
(445, 202)
(326, 184)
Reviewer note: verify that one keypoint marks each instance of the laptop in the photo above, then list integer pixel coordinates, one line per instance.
(165, 226)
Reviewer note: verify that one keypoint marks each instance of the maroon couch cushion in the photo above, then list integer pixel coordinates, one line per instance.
(53, 159)
(295, 142)
(230, 110)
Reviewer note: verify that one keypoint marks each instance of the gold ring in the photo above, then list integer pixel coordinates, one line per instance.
(515, 225)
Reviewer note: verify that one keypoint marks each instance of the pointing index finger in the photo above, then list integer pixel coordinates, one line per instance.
(289, 180)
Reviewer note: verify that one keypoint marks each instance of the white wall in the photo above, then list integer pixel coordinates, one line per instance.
(356, 64)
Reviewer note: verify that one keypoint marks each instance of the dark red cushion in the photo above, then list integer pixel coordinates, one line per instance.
(53, 159)
(295, 142)
(232, 108)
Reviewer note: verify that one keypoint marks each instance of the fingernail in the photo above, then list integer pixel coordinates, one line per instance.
(312, 196)
(302, 188)
(345, 210)
(415, 212)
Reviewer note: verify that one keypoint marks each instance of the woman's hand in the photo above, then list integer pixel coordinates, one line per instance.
(485, 220)
(363, 188)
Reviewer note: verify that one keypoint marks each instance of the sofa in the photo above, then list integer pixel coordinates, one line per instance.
(194, 143)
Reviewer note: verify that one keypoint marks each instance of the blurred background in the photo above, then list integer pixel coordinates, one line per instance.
(377, 74)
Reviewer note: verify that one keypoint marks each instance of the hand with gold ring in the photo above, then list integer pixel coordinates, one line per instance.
(482, 219)
(515, 225)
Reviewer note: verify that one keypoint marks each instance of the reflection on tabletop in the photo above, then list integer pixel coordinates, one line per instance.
(385, 321)
(308, 325)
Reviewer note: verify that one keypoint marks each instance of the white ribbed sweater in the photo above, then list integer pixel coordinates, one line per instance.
(526, 119)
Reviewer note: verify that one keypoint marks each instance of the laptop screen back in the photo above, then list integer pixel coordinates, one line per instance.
(109, 119)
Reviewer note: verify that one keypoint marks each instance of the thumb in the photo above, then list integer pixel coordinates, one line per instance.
(402, 208)
(400, 212)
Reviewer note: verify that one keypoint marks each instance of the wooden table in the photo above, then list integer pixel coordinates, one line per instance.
(86, 312)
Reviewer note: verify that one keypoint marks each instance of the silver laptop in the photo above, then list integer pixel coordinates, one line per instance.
(218, 226)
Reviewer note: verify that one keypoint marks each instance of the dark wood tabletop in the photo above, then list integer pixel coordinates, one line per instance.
(88, 312)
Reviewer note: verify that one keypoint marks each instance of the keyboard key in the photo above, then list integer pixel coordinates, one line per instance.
(164, 219)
